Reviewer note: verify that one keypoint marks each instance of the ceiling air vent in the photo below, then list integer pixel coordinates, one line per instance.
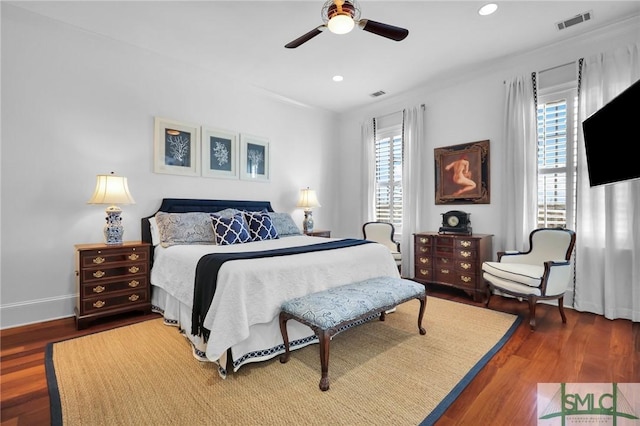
(378, 93)
(578, 19)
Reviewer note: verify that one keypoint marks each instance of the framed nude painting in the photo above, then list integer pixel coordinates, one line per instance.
(462, 173)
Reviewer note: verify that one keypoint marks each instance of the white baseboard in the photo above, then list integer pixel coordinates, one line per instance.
(35, 311)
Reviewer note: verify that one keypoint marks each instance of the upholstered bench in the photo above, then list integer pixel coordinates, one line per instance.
(334, 310)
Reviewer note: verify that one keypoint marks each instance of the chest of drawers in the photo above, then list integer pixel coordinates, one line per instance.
(111, 279)
(452, 260)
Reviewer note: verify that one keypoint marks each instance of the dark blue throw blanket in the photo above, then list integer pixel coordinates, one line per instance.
(209, 265)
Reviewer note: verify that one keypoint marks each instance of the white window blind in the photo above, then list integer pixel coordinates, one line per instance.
(388, 169)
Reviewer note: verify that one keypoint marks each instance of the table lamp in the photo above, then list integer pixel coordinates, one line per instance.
(307, 200)
(112, 190)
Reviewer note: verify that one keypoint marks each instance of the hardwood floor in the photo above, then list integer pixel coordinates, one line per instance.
(588, 349)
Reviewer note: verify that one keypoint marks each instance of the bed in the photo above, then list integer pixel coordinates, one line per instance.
(251, 282)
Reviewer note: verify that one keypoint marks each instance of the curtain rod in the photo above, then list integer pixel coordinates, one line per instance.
(557, 66)
(549, 69)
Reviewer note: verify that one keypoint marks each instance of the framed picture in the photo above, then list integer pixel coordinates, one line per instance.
(176, 148)
(219, 153)
(254, 158)
(462, 173)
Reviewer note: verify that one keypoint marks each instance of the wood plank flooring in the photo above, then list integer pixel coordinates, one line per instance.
(588, 349)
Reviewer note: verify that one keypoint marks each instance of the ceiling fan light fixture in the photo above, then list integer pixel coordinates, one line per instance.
(341, 16)
(341, 24)
(488, 9)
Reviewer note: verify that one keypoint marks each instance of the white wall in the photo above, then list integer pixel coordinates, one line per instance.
(76, 105)
(464, 107)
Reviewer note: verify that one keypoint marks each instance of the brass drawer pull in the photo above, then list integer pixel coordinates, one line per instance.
(444, 271)
(444, 260)
(465, 265)
(99, 304)
(465, 253)
(465, 278)
(465, 243)
(99, 274)
(424, 271)
(134, 297)
(133, 256)
(424, 240)
(134, 283)
(98, 260)
(98, 289)
(424, 260)
(134, 269)
(424, 249)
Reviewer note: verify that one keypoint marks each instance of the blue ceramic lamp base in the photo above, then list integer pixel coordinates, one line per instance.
(113, 230)
(307, 223)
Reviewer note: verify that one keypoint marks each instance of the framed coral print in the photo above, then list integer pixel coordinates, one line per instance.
(176, 148)
(254, 158)
(219, 153)
(462, 173)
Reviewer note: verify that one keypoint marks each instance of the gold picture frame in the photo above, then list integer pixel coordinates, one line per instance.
(462, 173)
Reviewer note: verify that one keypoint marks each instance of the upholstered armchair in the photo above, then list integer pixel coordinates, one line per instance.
(542, 273)
(383, 233)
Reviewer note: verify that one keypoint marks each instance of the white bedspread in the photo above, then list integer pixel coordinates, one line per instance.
(249, 292)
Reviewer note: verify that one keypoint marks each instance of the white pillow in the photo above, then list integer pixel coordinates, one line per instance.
(155, 234)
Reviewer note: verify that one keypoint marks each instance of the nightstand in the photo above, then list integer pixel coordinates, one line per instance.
(111, 279)
(319, 233)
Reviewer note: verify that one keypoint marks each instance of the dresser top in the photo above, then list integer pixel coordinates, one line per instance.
(435, 234)
(103, 246)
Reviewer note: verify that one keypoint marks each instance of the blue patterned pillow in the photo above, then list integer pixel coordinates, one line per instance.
(284, 224)
(184, 228)
(231, 230)
(260, 226)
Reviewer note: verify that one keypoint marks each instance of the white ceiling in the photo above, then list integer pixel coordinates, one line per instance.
(244, 40)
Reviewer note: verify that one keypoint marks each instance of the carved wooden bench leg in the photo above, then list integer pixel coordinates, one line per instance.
(285, 337)
(325, 340)
(423, 305)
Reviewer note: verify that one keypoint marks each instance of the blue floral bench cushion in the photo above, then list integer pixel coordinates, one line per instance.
(330, 308)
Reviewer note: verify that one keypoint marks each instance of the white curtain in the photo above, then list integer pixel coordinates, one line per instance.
(368, 178)
(415, 178)
(520, 160)
(608, 217)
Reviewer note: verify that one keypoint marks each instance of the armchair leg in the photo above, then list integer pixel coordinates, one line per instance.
(489, 293)
(532, 312)
(561, 308)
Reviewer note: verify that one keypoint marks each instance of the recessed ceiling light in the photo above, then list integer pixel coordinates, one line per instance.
(338, 78)
(488, 9)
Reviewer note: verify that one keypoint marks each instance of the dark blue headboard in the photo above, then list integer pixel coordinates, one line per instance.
(184, 205)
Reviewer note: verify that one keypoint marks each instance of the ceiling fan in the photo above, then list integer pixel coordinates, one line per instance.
(340, 16)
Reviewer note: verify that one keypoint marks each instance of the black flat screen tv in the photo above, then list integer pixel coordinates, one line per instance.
(611, 139)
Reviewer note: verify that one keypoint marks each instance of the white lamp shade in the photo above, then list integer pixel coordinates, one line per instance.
(111, 189)
(308, 199)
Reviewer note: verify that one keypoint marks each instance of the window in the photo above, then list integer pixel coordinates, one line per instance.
(557, 138)
(388, 169)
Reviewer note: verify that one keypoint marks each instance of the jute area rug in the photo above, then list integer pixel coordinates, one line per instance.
(380, 373)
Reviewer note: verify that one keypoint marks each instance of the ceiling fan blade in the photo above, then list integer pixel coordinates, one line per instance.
(384, 30)
(305, 38)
